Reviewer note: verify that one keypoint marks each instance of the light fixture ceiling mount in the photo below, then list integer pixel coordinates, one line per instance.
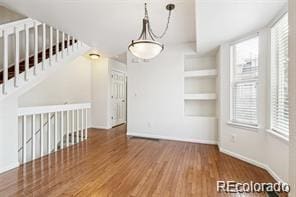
(94, 56)
(146, 46)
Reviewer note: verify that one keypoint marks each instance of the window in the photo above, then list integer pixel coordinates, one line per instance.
(279, 77)
(244, 79)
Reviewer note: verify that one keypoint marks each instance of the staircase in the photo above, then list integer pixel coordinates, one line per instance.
(30, 52)
(12, 70)
(35, 48)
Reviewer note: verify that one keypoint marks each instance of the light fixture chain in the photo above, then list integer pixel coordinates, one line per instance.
(150, 28)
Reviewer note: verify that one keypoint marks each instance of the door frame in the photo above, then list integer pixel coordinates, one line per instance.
(110, 96)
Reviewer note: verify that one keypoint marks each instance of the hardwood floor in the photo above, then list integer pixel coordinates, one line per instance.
(111, 164)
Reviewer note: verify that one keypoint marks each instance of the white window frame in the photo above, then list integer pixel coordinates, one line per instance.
(231, 121)
(270, 130)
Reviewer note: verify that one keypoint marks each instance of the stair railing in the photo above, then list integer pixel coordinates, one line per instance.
(52, 49)
(65, 125)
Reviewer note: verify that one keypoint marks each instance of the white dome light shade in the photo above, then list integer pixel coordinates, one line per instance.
(145, 49)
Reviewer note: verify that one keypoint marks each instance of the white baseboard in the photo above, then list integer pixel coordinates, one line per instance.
(100, 127)
(253, 162)
(9, 167)
(145, 135)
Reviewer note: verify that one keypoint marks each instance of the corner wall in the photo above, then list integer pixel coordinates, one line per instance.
(156, 99)
(100, 88)
(255, 146)
(8, 134)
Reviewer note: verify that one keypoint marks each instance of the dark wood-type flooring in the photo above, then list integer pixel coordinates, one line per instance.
(111, 164)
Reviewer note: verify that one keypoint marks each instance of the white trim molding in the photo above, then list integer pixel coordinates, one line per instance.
(278, 135)
(100, 127)
(146, 135)
(292, 95)
(244, 126)
(9, 167)
(253, 162)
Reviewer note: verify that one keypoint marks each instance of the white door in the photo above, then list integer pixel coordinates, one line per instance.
(118, 98)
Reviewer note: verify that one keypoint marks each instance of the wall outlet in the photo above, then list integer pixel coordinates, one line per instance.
(149, 124)
(233, 138)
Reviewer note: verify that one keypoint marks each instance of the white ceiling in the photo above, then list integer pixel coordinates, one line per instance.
(109, 25)
(223, 20)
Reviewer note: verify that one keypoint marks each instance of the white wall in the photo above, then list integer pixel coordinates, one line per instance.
(100, 92)
(100, 86)
(72, 84)
(292, 93)
(8, 134)
(7, 15)
(156, 102)
(253, 145)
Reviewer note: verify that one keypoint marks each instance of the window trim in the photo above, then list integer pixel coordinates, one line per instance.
(278, 17)
(244, 126)
(278, 135)
(231, 121)
(270, 130)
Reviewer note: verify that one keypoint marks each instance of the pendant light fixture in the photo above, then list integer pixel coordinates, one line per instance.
(146, 47)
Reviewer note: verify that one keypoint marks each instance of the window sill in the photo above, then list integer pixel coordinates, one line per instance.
(243, 126)
(277, 135)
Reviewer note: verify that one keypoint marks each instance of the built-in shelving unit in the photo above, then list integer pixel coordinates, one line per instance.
(200, 87)
(210, 96)
(201, 73)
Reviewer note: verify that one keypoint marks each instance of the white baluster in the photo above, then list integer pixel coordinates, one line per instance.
(62, 129)
(17, 57)
(48, 134)
(77, 126)
(50, 45)
(24, 138)
(27, 52)
(35, 47)
(86, 124)
(55, 131)
(43, 46)
(63, 44)
(68, 44)
(68, 129)
(33, 136)
(57, 44)
(82, 130)
(5, 61)
(73, 43)
(41, 135)
(73, 128)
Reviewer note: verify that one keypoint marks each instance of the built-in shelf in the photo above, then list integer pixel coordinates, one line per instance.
(200, 90)
(200, 117)
(210, 96)
(201, 73)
